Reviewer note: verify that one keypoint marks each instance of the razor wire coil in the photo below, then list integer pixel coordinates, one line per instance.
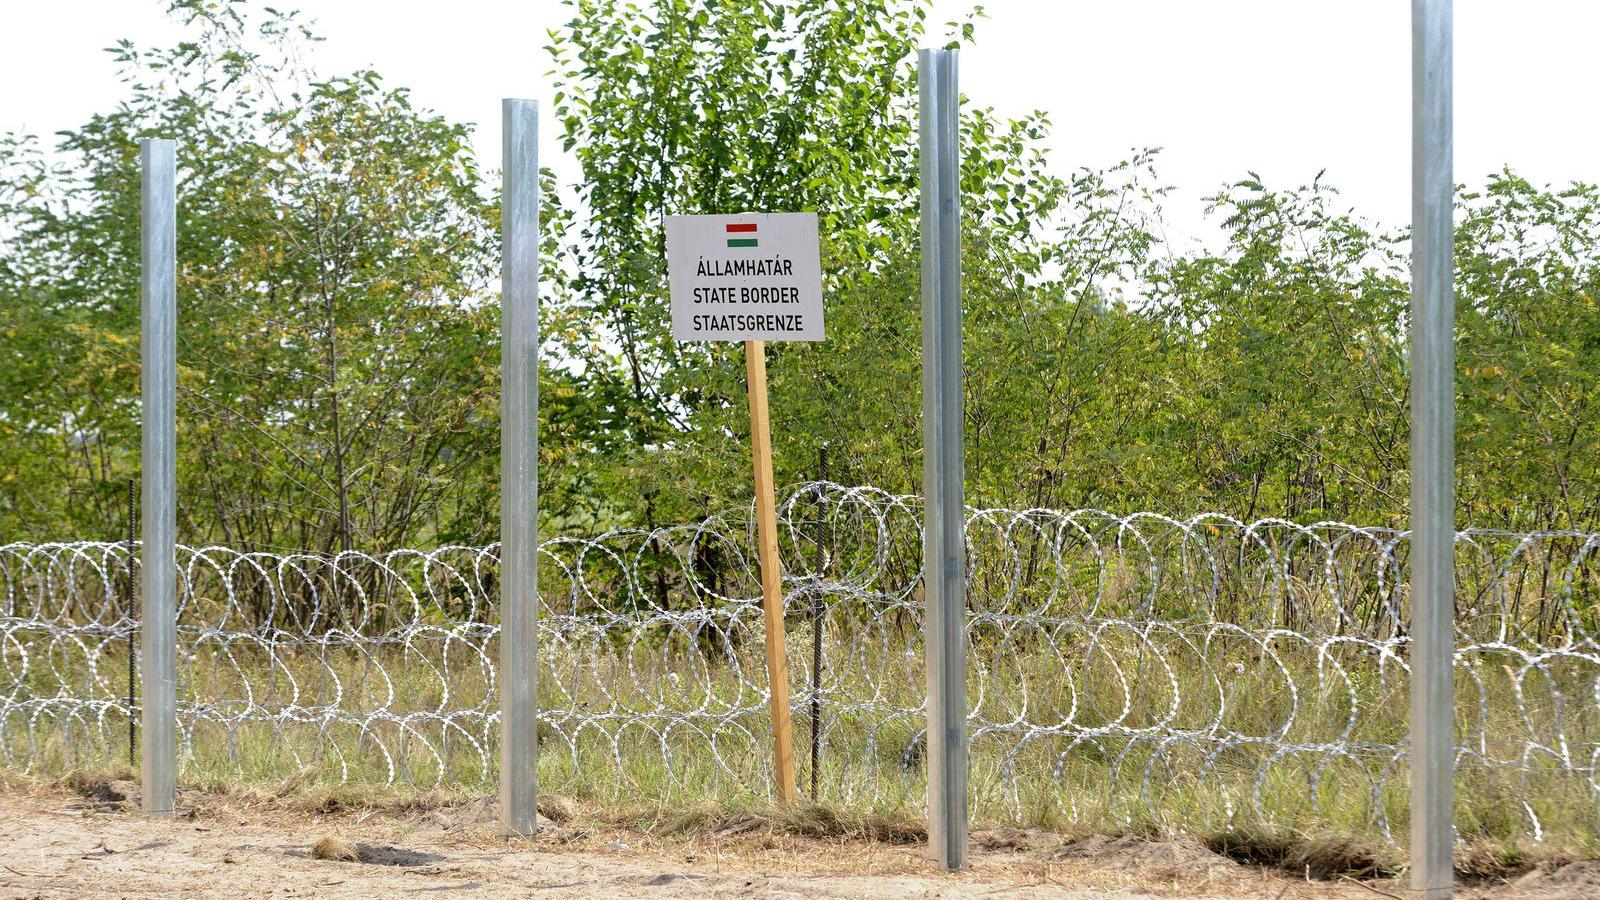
(1148, 650)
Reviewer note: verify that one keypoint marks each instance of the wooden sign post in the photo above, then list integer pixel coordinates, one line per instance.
(755, 366)
(753, 277)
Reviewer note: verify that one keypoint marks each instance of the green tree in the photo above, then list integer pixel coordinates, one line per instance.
(336, 343)
(339, 336)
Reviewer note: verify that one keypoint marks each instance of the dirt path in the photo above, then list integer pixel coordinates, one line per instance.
(57, 844)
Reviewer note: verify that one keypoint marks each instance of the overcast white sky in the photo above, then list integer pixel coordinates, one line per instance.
(1282, 87)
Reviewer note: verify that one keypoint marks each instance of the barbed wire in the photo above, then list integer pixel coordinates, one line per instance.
(1177, 669)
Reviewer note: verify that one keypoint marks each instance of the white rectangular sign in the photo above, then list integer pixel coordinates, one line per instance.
(745, 277)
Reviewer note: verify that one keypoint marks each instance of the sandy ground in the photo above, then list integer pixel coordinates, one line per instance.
(58, 844)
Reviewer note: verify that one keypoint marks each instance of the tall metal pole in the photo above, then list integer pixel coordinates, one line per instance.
(519, 471)
(1432, 451)
(944, 528)
(158, 321)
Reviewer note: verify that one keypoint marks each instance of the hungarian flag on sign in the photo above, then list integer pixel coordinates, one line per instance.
(742, 234)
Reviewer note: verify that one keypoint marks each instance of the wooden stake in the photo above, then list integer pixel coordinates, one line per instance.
(755, 364)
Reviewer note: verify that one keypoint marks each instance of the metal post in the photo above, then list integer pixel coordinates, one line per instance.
(519, 470)
(1432, 451)
(133, 625)
(158, 319)
(944, 529)
(817, 608)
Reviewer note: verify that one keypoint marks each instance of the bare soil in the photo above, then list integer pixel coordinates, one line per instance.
(93, 843)
(1556, 882)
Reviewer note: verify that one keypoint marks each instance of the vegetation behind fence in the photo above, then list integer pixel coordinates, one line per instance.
(338, 342)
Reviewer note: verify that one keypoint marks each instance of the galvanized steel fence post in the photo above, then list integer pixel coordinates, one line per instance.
(158, 394)
(944, 525)
(1432, 451)
(519, 472)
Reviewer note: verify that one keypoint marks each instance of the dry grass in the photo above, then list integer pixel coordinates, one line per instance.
(334, 848)
(858, 841)
(868, 792)
(266, 843)
(813, 839)
(1320, 856)
(812, 820)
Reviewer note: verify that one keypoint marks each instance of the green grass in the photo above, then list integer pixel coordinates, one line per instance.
(871, 765)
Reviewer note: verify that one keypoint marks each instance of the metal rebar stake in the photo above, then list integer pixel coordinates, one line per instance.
(944, 527)
(158, 459)
(519, 469)
(1432, 452)
(817, 609)
(133, 625)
